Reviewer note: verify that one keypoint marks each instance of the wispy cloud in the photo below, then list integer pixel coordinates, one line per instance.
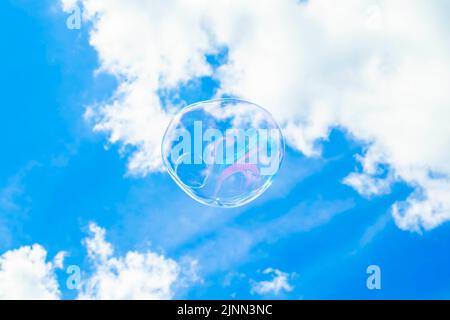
(14, 204)
(375, 229)
(13, 190)
(302, 218)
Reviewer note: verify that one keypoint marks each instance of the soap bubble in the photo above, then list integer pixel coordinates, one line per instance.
(223, 153)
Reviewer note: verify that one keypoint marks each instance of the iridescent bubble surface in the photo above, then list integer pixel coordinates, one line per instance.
(223, 153)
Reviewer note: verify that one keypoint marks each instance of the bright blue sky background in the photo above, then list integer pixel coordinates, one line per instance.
(56, 176)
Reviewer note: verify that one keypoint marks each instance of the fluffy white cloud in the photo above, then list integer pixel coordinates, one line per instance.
(26, 274)
(378, 69)
(134, 276)
(278, 284)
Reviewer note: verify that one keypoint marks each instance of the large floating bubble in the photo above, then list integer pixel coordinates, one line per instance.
(223, 153)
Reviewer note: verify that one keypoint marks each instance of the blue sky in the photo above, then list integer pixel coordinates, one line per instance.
(57, 175)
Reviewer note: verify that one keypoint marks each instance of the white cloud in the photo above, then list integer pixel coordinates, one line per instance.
(378, 69)
(58, 260)
(68, 4)
(135, 275)
(278, 284)
(26, 274)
